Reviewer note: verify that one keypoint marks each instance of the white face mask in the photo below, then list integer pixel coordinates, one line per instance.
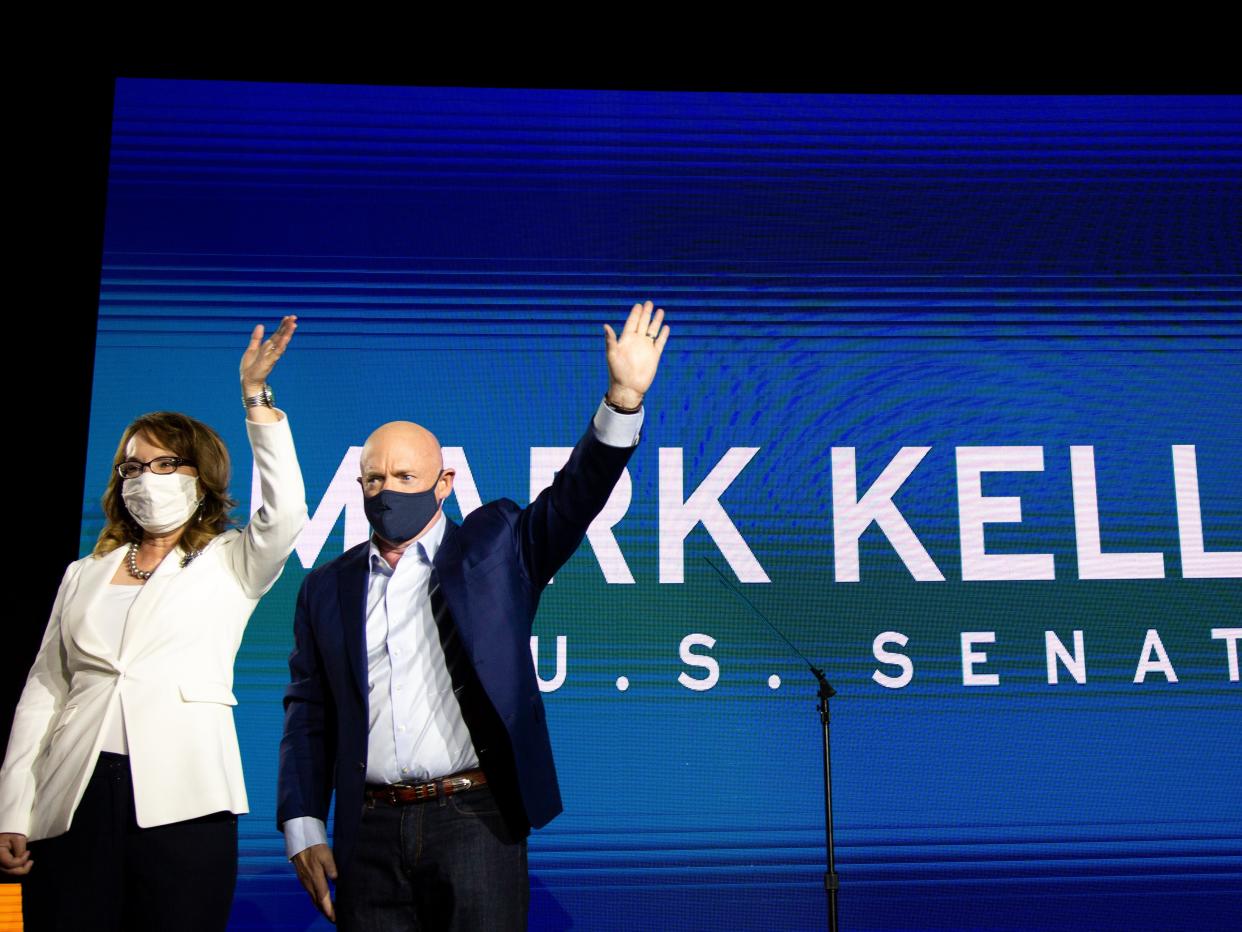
(161, 503)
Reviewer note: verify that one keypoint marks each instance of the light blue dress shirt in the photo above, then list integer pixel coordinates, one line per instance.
(416, 732)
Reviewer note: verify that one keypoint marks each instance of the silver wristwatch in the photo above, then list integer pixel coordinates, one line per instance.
(265, 398)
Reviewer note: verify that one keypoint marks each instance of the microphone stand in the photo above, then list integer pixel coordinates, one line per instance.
(832, 882)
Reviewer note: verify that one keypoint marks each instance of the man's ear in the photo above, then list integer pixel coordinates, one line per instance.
(446, 483)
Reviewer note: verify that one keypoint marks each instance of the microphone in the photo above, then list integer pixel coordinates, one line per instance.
(825, 690)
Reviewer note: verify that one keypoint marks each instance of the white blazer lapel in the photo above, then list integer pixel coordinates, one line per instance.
(92, 581)
(139, 632)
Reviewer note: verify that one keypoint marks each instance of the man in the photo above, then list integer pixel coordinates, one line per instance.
(413, 694)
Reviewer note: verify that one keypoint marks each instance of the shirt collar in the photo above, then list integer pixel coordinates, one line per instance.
(424, 549)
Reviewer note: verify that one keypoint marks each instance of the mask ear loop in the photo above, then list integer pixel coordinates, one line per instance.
(198, 519)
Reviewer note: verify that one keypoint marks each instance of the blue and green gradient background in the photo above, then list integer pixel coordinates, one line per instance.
(863, 271)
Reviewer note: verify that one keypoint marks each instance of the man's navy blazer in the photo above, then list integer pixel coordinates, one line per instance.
(491, 571)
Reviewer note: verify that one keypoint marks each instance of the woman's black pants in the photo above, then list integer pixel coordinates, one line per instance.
(106, 873)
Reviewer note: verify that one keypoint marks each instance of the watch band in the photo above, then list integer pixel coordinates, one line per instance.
(621, 410)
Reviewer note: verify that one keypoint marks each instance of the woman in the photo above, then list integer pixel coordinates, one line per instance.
(123, 767)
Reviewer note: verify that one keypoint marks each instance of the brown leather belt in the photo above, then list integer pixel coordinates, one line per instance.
(402, 794)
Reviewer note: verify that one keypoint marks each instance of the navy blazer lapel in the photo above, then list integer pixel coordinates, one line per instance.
(448, 543)
(352, 593)
(447, 561)
(446, 569)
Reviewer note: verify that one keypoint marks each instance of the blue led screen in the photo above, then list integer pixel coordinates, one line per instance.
(952, 396)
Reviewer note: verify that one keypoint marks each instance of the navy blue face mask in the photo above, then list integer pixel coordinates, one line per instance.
(398, 516)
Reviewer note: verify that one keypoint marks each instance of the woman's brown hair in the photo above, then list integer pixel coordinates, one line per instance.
(193, 441)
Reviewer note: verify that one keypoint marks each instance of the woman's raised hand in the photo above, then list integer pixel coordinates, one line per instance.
(261, 355)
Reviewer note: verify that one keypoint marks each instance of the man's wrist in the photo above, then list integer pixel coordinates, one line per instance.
(623, 400)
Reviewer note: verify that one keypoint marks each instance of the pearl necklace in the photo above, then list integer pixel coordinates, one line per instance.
(131, 561)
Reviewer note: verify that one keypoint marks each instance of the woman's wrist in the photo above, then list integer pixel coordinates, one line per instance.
(260, 396)
(259, 403)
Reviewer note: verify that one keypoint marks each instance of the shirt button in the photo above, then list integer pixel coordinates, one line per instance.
(398, 686)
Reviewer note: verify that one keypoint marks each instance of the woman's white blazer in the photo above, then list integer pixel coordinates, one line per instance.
(173, 670)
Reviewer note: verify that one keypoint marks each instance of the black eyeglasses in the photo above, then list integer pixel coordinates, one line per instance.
(161, 466)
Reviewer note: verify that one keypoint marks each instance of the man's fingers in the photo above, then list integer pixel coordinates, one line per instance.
(308, 873)
(644, 318)
(609, 336)
(631, 322)
(318, 888)
(329, 862)
(653, 329)
(325, 907)
(314, 868)
(661, 340)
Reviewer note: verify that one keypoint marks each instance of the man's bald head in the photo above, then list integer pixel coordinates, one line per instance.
(412, 443)
(402, 456)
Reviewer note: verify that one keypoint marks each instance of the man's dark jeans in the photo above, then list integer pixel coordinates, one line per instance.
(445, 864)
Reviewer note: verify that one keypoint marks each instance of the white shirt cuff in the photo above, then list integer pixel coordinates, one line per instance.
(302, 832)
(615, 429)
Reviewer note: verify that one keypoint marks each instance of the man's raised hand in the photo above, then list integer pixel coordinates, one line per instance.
(634, 356)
